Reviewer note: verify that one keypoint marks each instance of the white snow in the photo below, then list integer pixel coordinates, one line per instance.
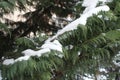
(88, 77)
(60, 55)
(103, 70)
(52, 43)
(8, 61)
(42, 34)
(38, 53)
(103, 34)
(22, 58)
(92, 4)
(54, 16)
(85, 78)
(46, 47)
(69, 47)
(101, 77)
(79, 53)
(118, 29)
(69, 18)
(82, 20)
(55, 45)
(106, 1)
(0, 75)
(27, 54)
(88, 12)
(30, 52)
(42, 51)
(100, 16)
(55, 19)
(89, 5)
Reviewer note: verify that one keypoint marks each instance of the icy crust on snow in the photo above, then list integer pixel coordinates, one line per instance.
(52, 43)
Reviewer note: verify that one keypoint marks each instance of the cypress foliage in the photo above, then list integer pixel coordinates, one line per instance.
(86, 49)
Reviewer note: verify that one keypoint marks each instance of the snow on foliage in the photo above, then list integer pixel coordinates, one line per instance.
(55, 45)
(30, 52)
(89, 5)
(81, 20)
(8, 61)
(52, 43)
(22, 58)
(27, 53)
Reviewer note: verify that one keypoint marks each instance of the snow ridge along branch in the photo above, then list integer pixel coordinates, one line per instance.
(52, 43)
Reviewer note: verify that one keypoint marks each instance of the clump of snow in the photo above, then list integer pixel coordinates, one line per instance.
(54, 16)
(3, 58)
(88, 77)
(28, 52)
(100, 16)
(60, 55)
(69, 47)
(103, 34)
(89, 5)
(55, 45)
(79, 53)
(99, 77)
(103, 70)
(42, 51)
(92, 4)
(69, 18)
(38, 53)
(118, 29)
(8, 61)
(22, 58)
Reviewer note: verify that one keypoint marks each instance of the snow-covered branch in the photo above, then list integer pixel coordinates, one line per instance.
(82, 20)
(52, 43)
